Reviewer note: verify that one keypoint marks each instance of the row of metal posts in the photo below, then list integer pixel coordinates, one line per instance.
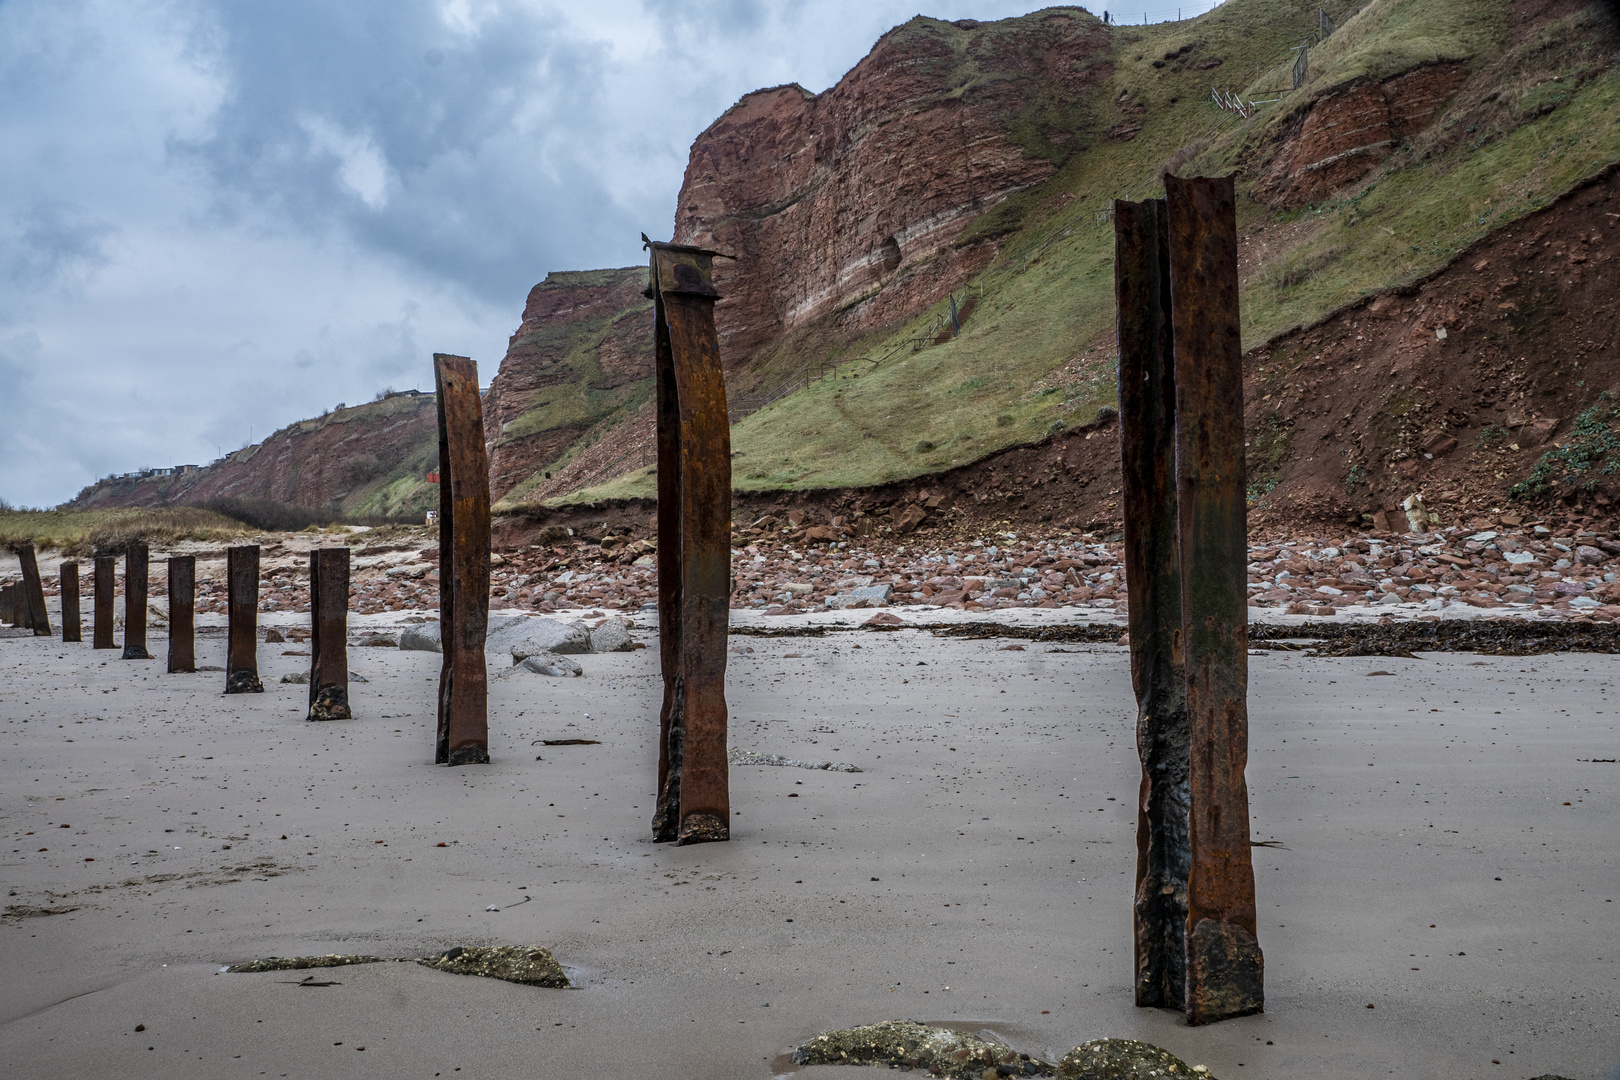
(1181, 410)
(23, 605)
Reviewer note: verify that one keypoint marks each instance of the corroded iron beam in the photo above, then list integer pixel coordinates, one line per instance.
(329, 634)
(182, 613)
(70, 601)
(1225, 967)
(136, 561)
(8, 604)
(694, 548)
(1147, 410)
(242, 614)
(33, 593)
(106, 586)
(463, 736)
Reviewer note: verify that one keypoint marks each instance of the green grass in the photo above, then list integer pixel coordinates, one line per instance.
(81, 532)
(1486, 161)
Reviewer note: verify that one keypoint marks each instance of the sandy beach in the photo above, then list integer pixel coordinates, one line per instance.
(1439, 887)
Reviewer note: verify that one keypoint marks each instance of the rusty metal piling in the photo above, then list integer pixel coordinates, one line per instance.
(1225, 967)
(182, 613)
(106, 586)
(1147, 408)
(694, 548)
(136, 561)
(32, 593)
(329, 630)
(463, 733)
(69, 578)
(1181, 412)
(242, 607)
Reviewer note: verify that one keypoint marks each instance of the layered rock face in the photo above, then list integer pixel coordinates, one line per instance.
(583, 352)
(342, 460)
(1351, 129)
(852, 201)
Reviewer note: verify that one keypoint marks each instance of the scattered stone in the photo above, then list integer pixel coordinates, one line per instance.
(531, 965)
(273, 636)
(1125, 1059)
(423, 637)
(297, 677)
(885, 618)
(541, 663)
(866, 596)
(378, 641)
(906, 1044)
(748, 757)
(612, 636)
(525, 636)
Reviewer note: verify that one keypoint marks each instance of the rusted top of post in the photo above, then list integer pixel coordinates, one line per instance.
(680, 269)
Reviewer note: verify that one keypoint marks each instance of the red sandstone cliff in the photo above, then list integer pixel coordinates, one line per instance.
(851, 201)
(583, 355)
(369, 459)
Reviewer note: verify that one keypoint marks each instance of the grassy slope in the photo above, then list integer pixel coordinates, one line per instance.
(81, 531)
(1478, 167)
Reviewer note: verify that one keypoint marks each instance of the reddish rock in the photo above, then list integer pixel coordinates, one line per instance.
(851, 201)
(1349, 129)
(583, 350)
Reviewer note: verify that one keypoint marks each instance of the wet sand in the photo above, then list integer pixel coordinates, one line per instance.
(978, 872)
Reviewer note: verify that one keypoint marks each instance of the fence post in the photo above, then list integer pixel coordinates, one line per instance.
(136, 562)
(182, 613)
(70, 601)
(106, 585)
(329, 634)
(242, 606)
(463, 734)
(1147, 411)
(1225, 967)
(694, 549)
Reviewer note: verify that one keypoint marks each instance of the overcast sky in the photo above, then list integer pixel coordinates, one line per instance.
(217, 218)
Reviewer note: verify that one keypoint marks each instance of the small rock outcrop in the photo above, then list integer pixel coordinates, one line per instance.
(1125, 1059)
(906, 1044)
(1350, 129)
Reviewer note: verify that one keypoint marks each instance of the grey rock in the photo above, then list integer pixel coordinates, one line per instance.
(612, 636)
(296, 677)
(735, 756)
(1588, 555)
(867, 596)
(906, 1044)
(542, 663)
(423, 637)
(526, 635)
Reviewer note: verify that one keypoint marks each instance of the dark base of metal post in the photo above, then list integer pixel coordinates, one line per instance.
(470, 754)
(135, 652)
(1226, 973)
(703, 829)
(243, 682)
(331, 703)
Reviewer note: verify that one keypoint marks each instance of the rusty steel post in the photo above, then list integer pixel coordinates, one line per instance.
(32, 592)
(463, 736)
(8, 604)
(182, 613)
(106, 586)
(1225, 967)
(329, 634)
(1147, 410)
(694, 549)
(242, 609)
(70, 601)
(136, 559)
